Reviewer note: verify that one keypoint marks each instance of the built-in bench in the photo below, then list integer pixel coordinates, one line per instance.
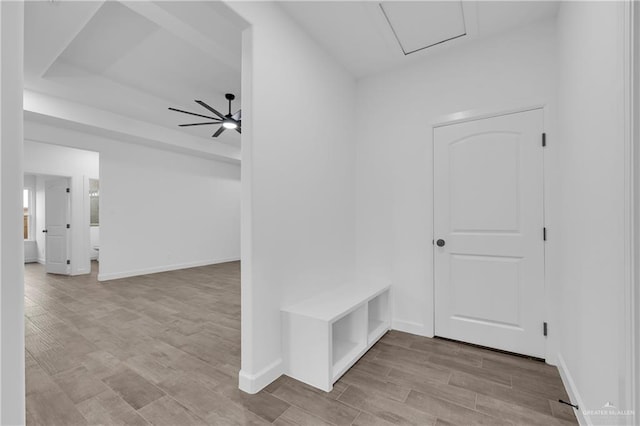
(325, 335)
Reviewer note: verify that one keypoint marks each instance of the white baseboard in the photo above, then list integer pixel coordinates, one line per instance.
(254, 383)
(572, 390)
(31, 260)
(409, 327)
(164, 268)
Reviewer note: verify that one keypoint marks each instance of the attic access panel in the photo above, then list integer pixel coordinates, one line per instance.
(418, 25)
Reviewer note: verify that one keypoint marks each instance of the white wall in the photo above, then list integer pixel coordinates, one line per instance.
(589, 269)
(30, 251)
(12, 377)
(79, 165)
(395, 112)
(298, 180)
(159, 210)
(635, 299)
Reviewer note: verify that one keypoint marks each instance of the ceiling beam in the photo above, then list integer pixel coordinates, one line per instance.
(124, 128)
(186, 32)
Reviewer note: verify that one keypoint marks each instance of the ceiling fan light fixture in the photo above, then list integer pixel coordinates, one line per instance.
(229, 124)
(226, 122)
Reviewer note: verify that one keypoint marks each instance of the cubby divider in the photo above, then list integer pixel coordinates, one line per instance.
(378, 317)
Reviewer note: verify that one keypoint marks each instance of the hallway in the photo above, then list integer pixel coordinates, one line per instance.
(165, 349)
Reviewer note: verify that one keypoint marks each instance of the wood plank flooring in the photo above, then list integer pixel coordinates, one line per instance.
(164, 349)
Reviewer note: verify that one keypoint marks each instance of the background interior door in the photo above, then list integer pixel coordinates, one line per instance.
(488, 214)
(56, 220)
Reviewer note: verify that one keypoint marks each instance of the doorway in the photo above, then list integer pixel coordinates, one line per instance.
(63, 208)
(489, 232)
(47, 222)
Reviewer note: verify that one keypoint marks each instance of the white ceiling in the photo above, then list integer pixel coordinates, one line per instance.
(136, 58)
(358, 34)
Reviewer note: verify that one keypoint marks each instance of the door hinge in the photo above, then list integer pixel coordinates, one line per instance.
(544, 234)
(68, 262)
(544, 139)
(68, 190)
(544, 328)
(68, 226)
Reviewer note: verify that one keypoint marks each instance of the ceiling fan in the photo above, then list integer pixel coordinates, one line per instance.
(229, 121)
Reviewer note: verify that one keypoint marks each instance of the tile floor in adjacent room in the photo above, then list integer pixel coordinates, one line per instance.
(165, 349)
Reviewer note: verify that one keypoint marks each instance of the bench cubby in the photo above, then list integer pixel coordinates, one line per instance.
(324, 336)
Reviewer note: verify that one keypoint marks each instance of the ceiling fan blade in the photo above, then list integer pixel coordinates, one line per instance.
(238, 115)
(219, 132)
(210, 109)
(199, 124)
(192, 113)
(238, 130)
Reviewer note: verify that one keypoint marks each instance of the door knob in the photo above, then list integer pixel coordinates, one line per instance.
(44, 230)
(440, 243)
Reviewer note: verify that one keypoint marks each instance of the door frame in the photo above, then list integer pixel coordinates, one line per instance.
(631, 311)
(480, 114)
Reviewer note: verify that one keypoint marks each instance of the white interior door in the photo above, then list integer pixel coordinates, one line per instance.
(488, 230)
(56, 220)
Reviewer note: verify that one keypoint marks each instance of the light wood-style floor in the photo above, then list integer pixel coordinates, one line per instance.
(165, 349)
